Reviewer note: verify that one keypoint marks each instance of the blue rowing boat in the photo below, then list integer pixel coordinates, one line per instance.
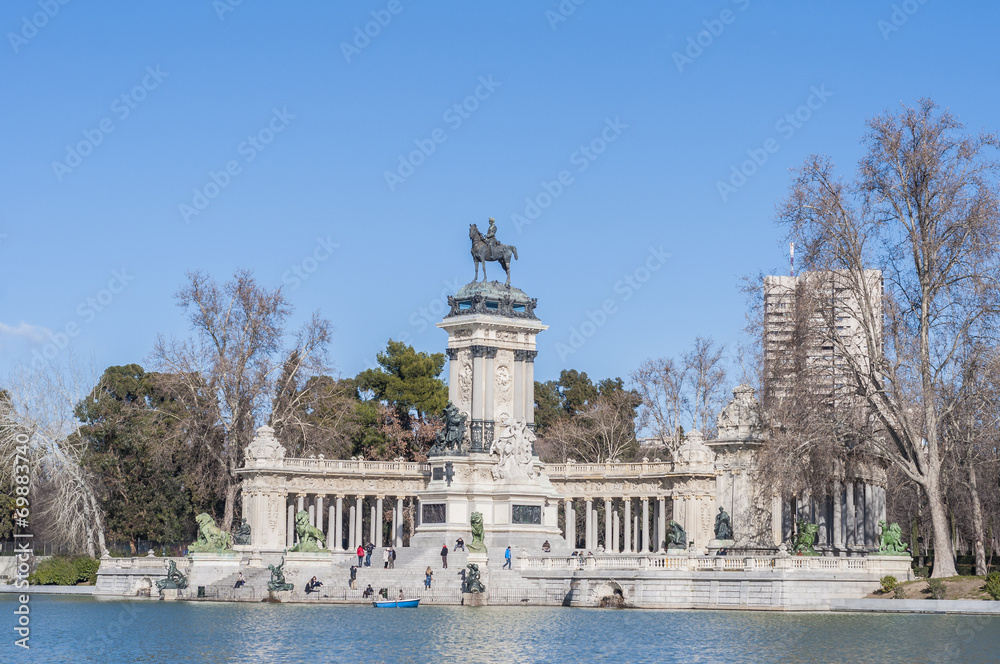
(401, 604)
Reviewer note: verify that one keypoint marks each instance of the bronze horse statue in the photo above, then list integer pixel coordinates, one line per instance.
(482, 252)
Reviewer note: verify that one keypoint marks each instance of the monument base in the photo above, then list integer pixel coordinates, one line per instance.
(474, 599)
(168, 594)
(715, 545)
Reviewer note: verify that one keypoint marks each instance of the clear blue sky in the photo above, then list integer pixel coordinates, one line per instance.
(199, 80)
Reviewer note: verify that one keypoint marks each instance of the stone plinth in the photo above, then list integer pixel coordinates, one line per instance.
(475, 599)
(169, 594)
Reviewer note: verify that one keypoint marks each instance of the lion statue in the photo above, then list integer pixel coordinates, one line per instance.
(890, 542)
(210, 536)
(311, 538)
(806, 538)
(478, 532)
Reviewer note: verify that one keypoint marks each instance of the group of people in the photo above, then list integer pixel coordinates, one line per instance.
(365, 556)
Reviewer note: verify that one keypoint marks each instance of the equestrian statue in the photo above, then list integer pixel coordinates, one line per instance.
(489, 249)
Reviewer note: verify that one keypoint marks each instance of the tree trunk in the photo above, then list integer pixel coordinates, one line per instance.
(944, 555)
(229, 514)
(978, 530)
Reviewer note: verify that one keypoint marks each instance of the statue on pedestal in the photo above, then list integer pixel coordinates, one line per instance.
(677, 537)
(174, 579)
(486, 249)
(311, 538)
(242, 535)
(472, 582)
(723, 525)
(277, 582)
(806, 538)
(478, 533)
(211, 538)
(449, 439)
(890, 542)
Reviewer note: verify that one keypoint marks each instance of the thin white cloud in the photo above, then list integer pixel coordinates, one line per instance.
(32, 333)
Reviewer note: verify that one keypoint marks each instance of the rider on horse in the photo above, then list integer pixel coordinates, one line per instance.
(491, 237)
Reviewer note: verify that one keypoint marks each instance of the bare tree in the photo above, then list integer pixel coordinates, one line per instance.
(603, 431)
(924, 210)
(660, 383)
(707, 383)
(226, 374)
(38, 413)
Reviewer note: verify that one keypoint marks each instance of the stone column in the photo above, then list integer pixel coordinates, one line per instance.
(518, 380)
(822, 535)
(373, 527)
(627, 537)
(569, 516)
(301, 501)
(380, 515)
(870, 528)
(645, 524)
(453, 368)
(359, 537)
(588, 538)
(352, 528)
(661, 530)
(290, 534)
(397, 524)
(851, 525)
(529, 386)
(838, 519)
(332, 539)
(777, 537)
(607, 524)
(319, 512)
(312, 515)
(880, 511)
(338, 528)
(635, 534)
(478, 397)
(614, 530)
(489, 378)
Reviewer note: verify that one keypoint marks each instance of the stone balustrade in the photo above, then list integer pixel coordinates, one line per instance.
(880, 565)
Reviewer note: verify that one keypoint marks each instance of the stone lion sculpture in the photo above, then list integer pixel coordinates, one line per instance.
(806, 538)
(478, 532)
(210, 536)
(311, 538)
(891, 540)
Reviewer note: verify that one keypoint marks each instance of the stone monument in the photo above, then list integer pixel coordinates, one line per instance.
(484, 461)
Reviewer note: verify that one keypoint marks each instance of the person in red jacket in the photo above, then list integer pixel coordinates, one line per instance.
(361, 555)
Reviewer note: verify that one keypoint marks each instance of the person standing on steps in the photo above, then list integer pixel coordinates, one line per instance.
(385, 558)
(392, 558)
(353, 583)
(428, 573)
(444, 556)
(361, 555)
(368, 551)
(506, 557)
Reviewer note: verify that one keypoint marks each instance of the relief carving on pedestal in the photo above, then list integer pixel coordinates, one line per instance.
(465, 382)
(513, 449)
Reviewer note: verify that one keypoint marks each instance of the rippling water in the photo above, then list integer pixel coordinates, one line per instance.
(86, 630)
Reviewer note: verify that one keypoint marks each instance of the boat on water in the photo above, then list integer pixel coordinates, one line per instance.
(396, 603)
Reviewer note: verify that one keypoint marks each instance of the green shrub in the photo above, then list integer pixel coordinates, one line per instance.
(899, 592)
(889, 583)
(936, 588)
(65, 571)
(922, 572)
(992, 586)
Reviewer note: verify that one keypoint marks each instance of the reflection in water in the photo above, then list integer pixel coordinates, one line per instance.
(87, 630)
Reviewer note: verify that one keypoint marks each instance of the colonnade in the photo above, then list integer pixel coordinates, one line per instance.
(630, 525)
(846, 519)
(350, 520)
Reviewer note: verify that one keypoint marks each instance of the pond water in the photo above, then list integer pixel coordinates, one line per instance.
(82, 629)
